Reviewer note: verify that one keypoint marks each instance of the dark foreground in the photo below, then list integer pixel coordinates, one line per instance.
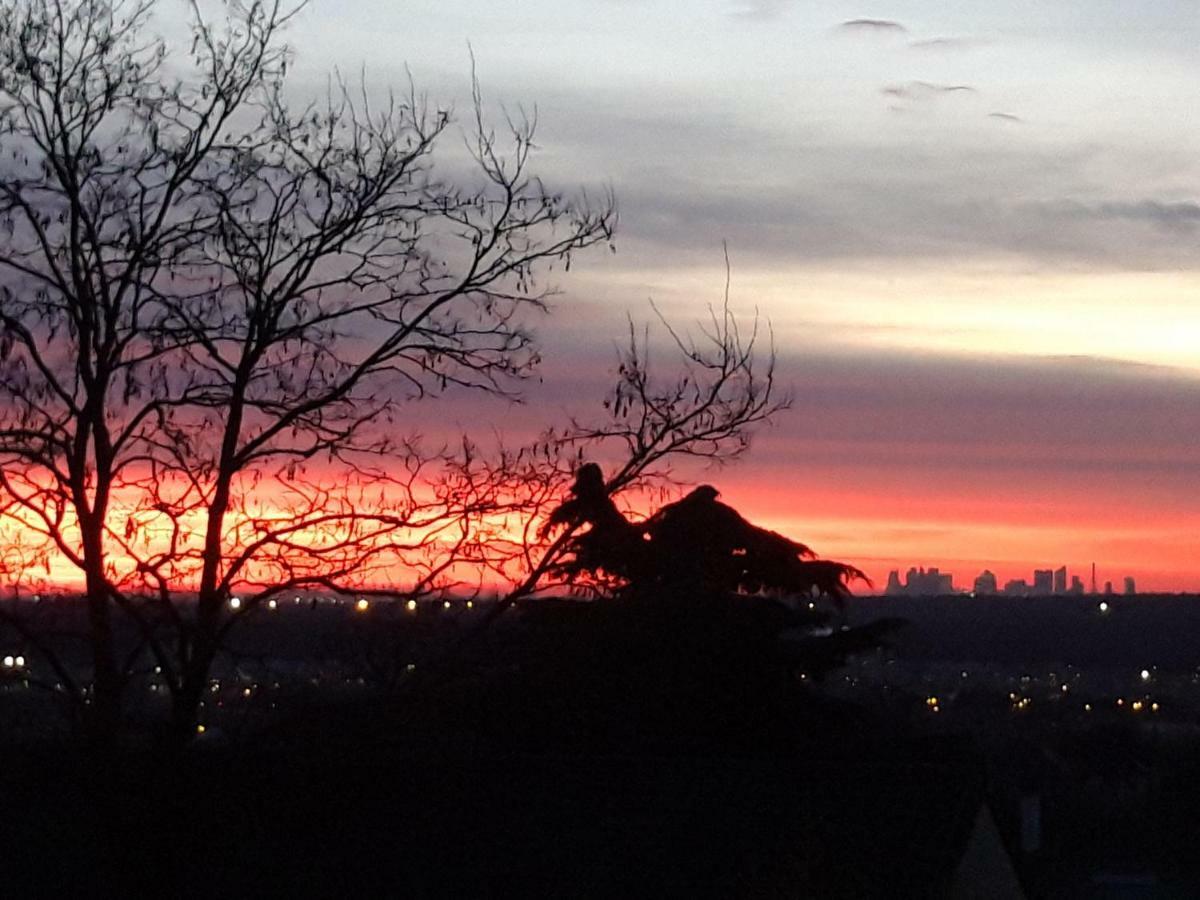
(590, 751)
(369, 821)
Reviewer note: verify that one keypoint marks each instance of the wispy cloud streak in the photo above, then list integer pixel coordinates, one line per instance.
(924, 90)
(947, 43)
(872, 26)
(760, 9)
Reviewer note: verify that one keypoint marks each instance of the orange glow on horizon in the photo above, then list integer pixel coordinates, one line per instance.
(882, 529)
(879, 525)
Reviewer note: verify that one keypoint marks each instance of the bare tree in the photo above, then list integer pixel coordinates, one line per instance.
(212, 292)
(100, 145)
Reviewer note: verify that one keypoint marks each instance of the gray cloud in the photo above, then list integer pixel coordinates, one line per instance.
(886, 26)
(689, 174)
(1015, 426)
(1171, 215)
(1175, 217)
(1072, 417)
(921, 213)
(924, 90)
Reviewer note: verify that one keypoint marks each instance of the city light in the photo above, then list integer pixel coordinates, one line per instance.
(1103, 607)
(411, 605)
(9, 662)
(272, 604)
(1145, 674)
(362, 605)
(235, 602)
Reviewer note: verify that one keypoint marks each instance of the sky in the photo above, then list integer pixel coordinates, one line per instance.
(974, 228)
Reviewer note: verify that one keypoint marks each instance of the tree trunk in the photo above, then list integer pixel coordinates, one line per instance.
(185, 704)
(102, 714)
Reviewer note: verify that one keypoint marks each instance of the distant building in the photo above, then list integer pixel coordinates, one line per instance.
(943, 583)
(985, 583)
(1043, 582)
(1130, 588)
(894, 586)
(922, 583)
(1076, 586)
(1108, 587)
(1060, 580)
(1017, 587)
(919, 582)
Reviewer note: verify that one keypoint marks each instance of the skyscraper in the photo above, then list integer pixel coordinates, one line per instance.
(919, 582)
(1130, 588)
(1043, 582)
(985, 584)
(1016, 587)
(1060, 580)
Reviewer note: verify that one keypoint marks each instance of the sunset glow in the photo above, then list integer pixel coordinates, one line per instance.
(972, 231)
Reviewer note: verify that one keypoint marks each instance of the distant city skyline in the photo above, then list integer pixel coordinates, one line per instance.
(1046, 582)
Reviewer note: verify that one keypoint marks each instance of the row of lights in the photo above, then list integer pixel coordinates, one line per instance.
(361, 605)
(14, 662)
(1018, 702)
(1139, 705)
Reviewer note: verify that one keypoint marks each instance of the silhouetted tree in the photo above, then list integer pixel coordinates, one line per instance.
(208, 291)
(694, 544)
(703, 409)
